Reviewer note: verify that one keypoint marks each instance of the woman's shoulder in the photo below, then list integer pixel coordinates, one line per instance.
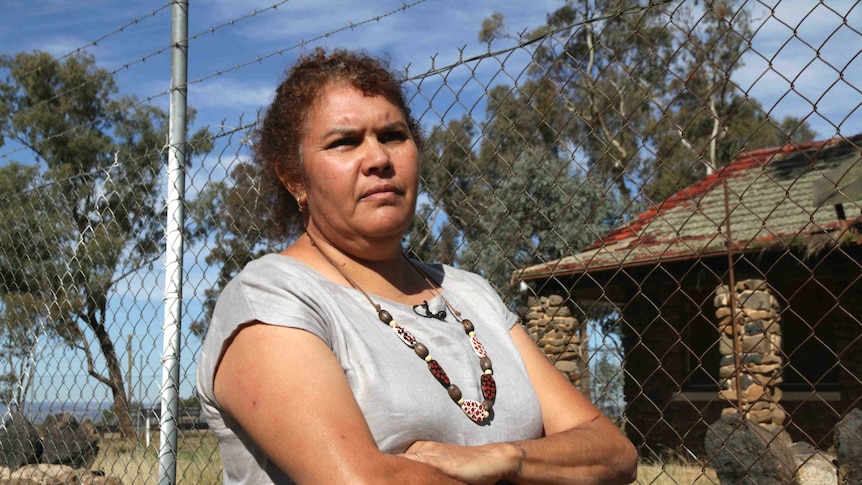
(271, 280)
(457, 280)
(451, 276)
(274, 265)
(273, 289)
(273, 269)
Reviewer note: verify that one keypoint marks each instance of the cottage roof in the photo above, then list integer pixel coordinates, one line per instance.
(764, 199)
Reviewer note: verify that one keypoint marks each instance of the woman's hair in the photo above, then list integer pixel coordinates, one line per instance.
(278, 136)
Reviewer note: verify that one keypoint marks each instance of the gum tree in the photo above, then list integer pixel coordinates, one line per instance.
(83, 204)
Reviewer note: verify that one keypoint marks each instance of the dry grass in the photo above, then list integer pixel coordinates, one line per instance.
(198, 460)
(673, 470)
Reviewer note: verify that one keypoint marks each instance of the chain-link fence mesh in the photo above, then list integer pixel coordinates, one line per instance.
(620, 174)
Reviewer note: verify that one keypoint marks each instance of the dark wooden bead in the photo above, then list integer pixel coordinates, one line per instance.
(468, 325)
(454, 392)
(485, 363)
(488, 405)
(421, 350)
(384, 316)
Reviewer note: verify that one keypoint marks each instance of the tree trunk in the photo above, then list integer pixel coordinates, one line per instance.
(115, 378)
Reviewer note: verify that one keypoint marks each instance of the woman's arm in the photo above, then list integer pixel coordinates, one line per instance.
(581, 445)
(288, 392)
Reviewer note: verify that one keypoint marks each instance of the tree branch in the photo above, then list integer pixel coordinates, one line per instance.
(91, 368)
(27, 144)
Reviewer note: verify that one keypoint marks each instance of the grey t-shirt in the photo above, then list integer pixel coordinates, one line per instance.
(400, 399)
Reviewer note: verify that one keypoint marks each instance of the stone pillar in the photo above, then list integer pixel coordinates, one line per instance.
(559, 334)
(756, 326)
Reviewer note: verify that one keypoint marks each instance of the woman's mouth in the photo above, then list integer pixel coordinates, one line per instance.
(382, 191)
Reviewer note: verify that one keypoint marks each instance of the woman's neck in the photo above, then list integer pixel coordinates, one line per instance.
(391, 277)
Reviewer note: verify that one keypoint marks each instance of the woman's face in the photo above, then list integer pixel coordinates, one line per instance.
(361, 168)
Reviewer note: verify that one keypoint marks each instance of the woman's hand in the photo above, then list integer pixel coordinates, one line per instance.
(581, 445)
(476, 465)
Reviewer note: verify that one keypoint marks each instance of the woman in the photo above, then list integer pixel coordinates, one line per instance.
(324, 363)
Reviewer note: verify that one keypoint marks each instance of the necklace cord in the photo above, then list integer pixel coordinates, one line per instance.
(343, 274)
(478, 412)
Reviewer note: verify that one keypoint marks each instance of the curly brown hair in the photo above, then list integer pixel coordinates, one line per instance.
(278, 136)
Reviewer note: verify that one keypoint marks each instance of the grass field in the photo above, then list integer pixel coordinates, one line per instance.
(198, 462)
(675, 472)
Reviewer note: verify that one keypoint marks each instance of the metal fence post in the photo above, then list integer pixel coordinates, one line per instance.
(174, 251)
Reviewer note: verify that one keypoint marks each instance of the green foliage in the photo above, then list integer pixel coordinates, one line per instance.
(510, 198)
(645, 91)
(83, 209)
(8, 383)
(624, 104)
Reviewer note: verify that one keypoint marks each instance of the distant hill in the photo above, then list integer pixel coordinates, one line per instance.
(36, 412)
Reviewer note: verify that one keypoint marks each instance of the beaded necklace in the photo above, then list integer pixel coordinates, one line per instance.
(476, 411)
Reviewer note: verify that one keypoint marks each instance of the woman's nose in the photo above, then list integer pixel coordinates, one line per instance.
(377, 156)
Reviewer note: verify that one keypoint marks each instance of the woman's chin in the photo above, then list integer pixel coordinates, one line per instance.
(387, 223)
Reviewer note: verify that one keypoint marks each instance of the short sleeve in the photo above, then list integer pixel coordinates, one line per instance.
(266, 291)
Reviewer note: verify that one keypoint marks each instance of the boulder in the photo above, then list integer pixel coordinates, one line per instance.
(814, 467)
(19, 442)
(66, 442)
(741, 452)
(848, 446)
(58, 475)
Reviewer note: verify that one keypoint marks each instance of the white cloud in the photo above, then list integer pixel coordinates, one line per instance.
(58, 46)
(230, 93)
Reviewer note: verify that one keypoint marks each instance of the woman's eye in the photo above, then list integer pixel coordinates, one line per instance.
(393, 136)
(343, 142)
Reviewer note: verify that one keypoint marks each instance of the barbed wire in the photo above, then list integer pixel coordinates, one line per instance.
(238, 19)
(111, 74)
(662, 343)
(433, 71)
(148, 99)
(94, 43)
(404, 7)
(303, 43)
(208, 31)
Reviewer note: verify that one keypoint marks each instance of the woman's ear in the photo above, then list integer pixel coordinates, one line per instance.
(296, 189)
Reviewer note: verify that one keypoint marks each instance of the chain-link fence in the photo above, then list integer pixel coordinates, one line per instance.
(667, 193)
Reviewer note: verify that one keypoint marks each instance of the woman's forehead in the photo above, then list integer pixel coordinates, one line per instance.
(346, 104)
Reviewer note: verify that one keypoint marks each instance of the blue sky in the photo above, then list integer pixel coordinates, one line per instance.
(411, 36)
(236, 61)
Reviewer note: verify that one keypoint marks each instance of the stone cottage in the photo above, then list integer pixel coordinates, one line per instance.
(740, 293)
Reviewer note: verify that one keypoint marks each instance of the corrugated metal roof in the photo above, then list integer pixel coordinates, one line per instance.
(767, 193)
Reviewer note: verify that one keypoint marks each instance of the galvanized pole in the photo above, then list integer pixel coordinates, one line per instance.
(174, 250)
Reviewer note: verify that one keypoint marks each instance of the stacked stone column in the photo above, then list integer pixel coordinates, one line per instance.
(750, 346)
(558, 333)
